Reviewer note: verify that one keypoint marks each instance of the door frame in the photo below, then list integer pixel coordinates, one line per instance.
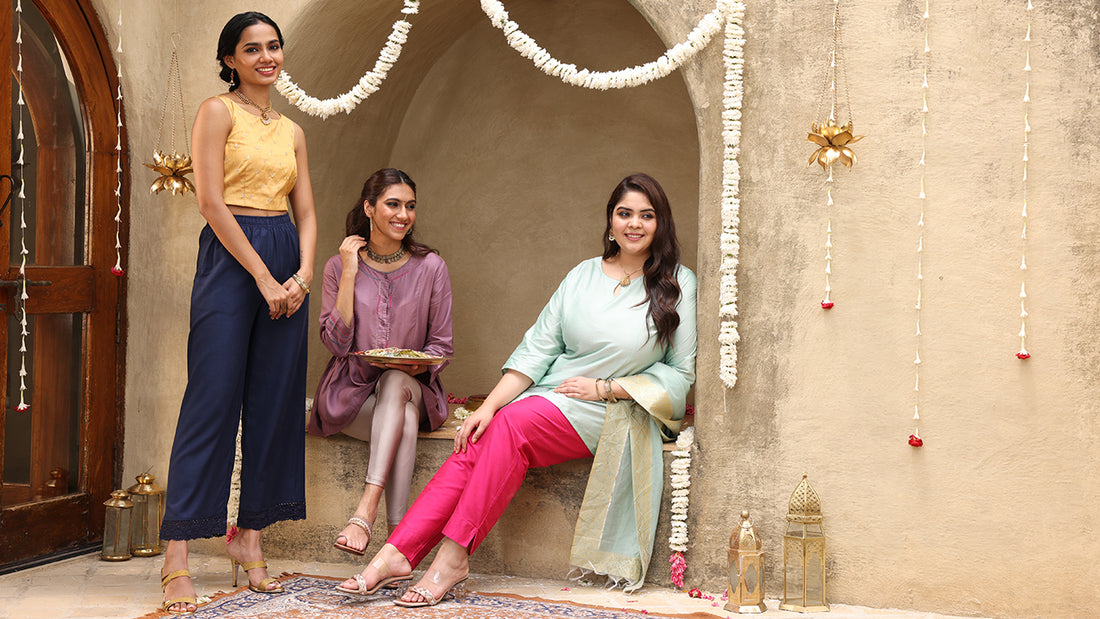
(77, 519)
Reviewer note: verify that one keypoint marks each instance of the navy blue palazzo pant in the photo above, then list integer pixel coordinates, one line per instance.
(241, 365)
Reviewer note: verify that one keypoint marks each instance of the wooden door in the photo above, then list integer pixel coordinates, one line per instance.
(59, 457)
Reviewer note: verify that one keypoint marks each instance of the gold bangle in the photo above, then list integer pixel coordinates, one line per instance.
(610, 392)
(301, 282)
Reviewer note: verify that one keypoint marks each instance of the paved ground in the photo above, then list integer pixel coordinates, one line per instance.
(86, 587)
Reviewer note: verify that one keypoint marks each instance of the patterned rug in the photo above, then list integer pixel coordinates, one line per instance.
(314, 596)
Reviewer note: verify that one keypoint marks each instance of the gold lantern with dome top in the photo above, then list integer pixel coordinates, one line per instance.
(804, 553)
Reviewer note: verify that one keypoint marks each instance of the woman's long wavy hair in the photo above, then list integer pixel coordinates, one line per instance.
(231, 36)
(376, 185)
(662, 290)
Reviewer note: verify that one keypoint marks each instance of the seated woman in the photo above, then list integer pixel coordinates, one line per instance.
(604, 347)
(383, 290)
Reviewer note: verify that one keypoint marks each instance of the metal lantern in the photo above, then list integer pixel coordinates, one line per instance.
(116, 527)
(746, 575)
(804, 553)
(148, 500)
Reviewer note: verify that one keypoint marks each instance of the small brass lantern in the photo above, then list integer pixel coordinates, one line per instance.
(804, 553)
(746, 575)
(116, 527)
(148, 500)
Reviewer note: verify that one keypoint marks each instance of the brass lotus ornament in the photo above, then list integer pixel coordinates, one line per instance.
(172, 169)
(834, 141)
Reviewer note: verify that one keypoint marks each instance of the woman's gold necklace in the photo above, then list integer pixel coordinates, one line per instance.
(625, 281)
(264, 118)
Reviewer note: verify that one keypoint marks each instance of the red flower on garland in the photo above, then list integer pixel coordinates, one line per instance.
(1023, 354)
(826, 304)
(677, 568)
(915, 440)
(695, 593)
(21, 407)
(118, 271)
(230, 533)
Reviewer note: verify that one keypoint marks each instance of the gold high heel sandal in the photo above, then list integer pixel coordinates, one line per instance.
(251, 565)
(188, 600)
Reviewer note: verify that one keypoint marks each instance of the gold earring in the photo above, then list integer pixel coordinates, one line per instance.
(611, 237)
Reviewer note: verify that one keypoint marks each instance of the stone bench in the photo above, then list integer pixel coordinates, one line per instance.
(531, 539)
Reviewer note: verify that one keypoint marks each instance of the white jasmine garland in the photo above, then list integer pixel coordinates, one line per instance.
(367, 85)
(668, 62)
(680, 480)
(733, 55)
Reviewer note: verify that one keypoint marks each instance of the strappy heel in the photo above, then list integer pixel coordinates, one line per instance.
(251, 565)
(362, 524)
(188, 600)
(457, 590)
(386, 580)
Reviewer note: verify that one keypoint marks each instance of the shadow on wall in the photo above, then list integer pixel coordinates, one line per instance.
(513, 167)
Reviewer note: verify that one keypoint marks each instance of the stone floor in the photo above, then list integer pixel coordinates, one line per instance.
(86, 587)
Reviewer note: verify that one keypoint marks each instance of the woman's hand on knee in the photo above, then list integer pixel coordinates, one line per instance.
(472, 428)
(579, 388)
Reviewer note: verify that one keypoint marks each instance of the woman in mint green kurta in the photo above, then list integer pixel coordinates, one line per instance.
(605, 371)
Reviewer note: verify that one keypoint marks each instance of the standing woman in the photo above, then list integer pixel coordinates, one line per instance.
(246, 352)
(383, 290)
(604, 370)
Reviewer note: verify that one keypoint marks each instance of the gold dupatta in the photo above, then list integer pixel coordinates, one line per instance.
(618, 517)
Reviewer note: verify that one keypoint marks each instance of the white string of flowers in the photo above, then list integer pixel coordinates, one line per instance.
(117, 269)
(1024, 354)
(733, 91)
(24, 332)
(680, 480)
(914, 438)
(367, 85)
(668, 62)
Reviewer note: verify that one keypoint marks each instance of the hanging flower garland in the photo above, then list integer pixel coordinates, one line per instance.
(680, 479)
(24, 332)
(1024, 354)
(733, 92)
(668, 62)
(367, 85)
(914, 438)
(117, 269)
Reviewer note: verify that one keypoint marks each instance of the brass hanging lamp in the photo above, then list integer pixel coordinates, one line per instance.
(833, 139)
(174, 166)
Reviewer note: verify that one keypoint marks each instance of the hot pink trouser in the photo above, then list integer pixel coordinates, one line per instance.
(468, 494)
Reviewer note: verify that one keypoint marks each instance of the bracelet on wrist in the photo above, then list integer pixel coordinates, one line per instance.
(301, 282)
(610, 392)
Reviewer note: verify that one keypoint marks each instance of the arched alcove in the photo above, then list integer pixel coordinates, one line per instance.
(513, 167)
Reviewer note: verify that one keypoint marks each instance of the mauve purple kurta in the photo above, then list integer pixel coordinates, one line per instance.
(408, 308)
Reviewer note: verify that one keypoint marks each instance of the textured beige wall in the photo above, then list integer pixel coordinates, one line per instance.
(993, 515)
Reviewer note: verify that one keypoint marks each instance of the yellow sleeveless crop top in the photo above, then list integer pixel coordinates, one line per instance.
(260, 167)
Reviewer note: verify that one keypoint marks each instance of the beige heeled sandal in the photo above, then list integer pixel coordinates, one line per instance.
(458, 590)
(362, 524)
(386, 579)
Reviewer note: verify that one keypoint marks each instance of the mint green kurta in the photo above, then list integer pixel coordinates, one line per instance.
(587, 330)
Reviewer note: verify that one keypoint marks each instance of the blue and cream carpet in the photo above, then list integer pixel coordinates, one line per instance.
(314, 596)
